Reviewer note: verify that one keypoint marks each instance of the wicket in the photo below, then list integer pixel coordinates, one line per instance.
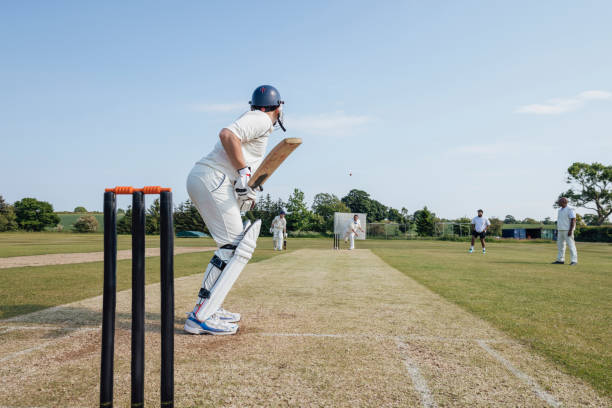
(138, 295)
(336, 241)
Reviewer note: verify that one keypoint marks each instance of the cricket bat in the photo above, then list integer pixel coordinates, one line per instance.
(273, 160)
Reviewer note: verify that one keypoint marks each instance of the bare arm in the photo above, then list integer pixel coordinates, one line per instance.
(572, 226)
(233, 147)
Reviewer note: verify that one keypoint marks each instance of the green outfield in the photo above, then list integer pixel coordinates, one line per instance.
(564, 313)
(40, 243)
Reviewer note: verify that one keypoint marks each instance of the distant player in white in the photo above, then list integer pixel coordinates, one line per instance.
(353, 229)
(218, 187)
(479, 229)
(279, 230)
(566, 224)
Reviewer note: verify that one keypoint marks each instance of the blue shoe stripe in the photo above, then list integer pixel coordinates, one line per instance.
(204, 326)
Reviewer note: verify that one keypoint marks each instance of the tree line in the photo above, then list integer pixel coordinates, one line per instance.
(590, 188)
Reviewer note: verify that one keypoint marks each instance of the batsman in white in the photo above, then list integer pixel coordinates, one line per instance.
(353, 228)
(279, 230)
(218, 187)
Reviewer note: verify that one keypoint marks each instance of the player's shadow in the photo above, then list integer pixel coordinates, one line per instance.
(520, 262)
(69, 317)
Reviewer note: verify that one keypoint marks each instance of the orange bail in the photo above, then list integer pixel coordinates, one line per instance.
(131, 190)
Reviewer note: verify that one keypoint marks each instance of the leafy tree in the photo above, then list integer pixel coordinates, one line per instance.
(510, 219)
(153, 219)
(34, 215)
(8, 219)
(358, 201)
(495, 228)
(406, 218)
(265, 210)
(124, 225)
(590, 188)
(325, 205)
(591, 219)
(298, 217)
(188, 218)
(548, 221)
(80, 210)
(120, 211)
(86, 223)
(378, 211)
(529, 221)
(425, 221)
(580, 221)
(394, 215)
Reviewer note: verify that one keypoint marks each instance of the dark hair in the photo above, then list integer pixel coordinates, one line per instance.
(480, 211)
(265, 108)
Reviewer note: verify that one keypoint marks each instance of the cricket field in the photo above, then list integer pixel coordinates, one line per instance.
(390, 324)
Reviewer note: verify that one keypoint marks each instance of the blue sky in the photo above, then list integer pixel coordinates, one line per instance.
(453, 105)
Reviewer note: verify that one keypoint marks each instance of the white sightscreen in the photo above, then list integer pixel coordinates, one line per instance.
(343, 220)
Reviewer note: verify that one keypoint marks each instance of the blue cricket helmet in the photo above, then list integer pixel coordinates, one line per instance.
(265, 96)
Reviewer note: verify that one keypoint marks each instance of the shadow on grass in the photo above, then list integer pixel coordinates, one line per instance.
(75, 317)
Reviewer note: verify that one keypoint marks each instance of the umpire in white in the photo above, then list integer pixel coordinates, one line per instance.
(566, 224)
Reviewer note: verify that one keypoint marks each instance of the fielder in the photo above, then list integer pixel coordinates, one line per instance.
(218, 187)
(566, 224)
(279, 230)
(352, 230)
(479, 229)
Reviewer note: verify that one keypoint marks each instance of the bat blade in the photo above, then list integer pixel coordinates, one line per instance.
(273, 160)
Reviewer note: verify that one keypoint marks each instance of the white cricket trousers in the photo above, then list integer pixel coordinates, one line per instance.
(562, 238)
(278, 239)
(212, 193)
(352, 240)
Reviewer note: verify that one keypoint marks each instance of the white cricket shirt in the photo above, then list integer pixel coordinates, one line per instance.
(253, 129)
(279, 223)
(564, 218)
(480, 223)
(354, 226)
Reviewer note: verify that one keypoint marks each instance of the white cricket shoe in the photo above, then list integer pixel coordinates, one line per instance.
(213, 325)
(471, 250)
(227, 316)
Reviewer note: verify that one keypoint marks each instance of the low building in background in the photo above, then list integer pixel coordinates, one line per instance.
(530, 231)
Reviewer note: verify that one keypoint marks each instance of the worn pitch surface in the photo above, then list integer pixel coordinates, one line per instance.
(320, 328)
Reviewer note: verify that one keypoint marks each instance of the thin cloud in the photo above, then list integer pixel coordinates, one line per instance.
(219, 107)
(330, 124)
(558, 106)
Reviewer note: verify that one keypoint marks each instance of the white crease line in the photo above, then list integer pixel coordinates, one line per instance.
(43, 345)
(67, 328)
(546, 397)
(7, 406)
(418, 381)
(327, 335)
(380, 336)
